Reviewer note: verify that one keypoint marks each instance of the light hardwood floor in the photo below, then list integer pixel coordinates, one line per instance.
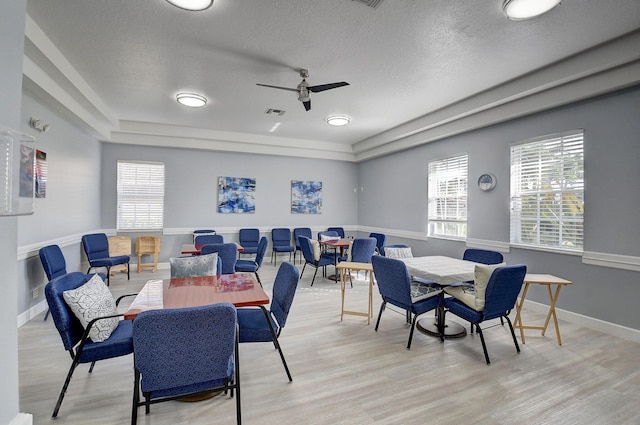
(346, 373)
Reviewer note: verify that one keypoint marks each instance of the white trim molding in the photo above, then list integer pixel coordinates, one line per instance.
(31, 250)
(489, 244)
(624, 262)
(407, 234)
(22, 419)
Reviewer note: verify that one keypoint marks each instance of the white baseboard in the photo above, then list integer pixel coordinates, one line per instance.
(586, 321)
(22, 419)
(23, 318)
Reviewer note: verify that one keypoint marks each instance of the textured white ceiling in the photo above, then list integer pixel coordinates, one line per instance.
(403, 60)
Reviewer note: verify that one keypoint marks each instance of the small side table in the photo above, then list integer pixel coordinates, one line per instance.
(541, 279)
(345, 266)
(148, 245)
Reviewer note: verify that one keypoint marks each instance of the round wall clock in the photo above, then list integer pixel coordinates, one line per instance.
(487, 182)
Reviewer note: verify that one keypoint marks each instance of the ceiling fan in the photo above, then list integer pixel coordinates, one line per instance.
(304, 88)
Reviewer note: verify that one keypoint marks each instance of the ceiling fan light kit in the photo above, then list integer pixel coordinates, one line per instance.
(338, 120)
(191, 99)
(518, 10)
(193, 5)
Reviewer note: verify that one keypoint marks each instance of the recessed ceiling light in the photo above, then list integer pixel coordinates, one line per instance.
(191, 99)
(338, 120)
(518, 10)
(194, 5)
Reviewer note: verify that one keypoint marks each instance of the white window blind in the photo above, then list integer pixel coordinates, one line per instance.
(547, 191)
(448, 197)
(140, 195)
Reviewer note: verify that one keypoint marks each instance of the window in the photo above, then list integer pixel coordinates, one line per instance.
(448, 197)
(547, 191)
(140, 195)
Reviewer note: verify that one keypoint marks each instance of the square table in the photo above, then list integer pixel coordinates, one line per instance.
(345, 266)
(443, 271)
(240, 289)
(548, 280)
(335, 244)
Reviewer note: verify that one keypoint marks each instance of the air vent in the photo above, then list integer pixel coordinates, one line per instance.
(274, 111)
(371, 3)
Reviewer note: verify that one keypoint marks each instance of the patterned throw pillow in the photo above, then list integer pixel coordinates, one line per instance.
(398, 252)
(197, 265)
(91, 300)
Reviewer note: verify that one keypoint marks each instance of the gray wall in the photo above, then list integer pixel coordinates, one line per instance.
(12, 19)
(191, 195)
(396, 189)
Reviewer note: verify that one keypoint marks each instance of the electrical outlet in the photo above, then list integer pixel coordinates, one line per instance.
(35, 293)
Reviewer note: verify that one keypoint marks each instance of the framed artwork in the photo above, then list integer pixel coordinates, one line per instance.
(41, 174)
(306, 197)
(236, 195)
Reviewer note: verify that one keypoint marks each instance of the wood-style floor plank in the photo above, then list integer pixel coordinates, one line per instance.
(346, 373)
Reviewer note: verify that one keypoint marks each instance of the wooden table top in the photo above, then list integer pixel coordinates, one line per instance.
(545, 279)
(240, 289)
(352, 265)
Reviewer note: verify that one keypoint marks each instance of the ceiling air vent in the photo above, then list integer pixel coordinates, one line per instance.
(274, 111)
(372, 3)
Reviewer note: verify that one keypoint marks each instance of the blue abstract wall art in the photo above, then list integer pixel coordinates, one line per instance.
(306, 197)
(236, 195)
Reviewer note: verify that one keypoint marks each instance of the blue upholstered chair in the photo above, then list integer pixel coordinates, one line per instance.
(185, 351)
(500, 296)
(199, 232)
(394, 284)
(300, 231)
(338, 230)
(208, 239)
(328, 233)
(252, 266)
(53, 263)
(280, 242)
(314, 258)
(249, 239)
(361, 251)
(227, 252)
(96, 246)
(260, 325)
(75, 338)
(483, 256)
(381, 239)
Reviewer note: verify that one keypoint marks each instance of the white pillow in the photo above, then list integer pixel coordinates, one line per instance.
(316, 249)
(398, 252)
(325, 238)
(475, 298)
(349, 250)
(91, 300)
(196, 265)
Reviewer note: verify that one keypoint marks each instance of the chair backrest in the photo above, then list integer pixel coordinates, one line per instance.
(338, 230)
(284, 289)
(301, 231)
(262, 248)
(208, 239)
(330, 233)
(96, 246)
(249, 237)
(394, 281)
(52, 261)
(66, 322)
(362, 250)
(381, 239)
(202, 232)
(393, 246)
(184, 347)
(502, 290)
(195, 265)
(483, 256)
(227, 252)
(281, 237)
(306, 248)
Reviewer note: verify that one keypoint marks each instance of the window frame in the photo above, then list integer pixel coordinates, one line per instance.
(562, 194)
(439, 224)
(144, 199)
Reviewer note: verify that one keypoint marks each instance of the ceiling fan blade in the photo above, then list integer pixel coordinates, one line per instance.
(307, 105)
(323, 87)
(277, 87)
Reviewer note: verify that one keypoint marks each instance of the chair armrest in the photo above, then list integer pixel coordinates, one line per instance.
(85, 334)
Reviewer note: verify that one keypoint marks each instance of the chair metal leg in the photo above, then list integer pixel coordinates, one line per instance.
(484, 346)
(513, 333)
(413, 327)
(46, 315)
(275, 340)
(136, 397)
(91, 367)
(382, 306)
(74, 364)
(302, 272)
(258, 278)
(314, 276)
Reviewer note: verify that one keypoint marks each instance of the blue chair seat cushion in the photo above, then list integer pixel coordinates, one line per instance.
(120, 343)
(246, 266)
(286, 248)
(461, 309)
(110, 261)
(417, 308)
(187, 389)
(254, 326)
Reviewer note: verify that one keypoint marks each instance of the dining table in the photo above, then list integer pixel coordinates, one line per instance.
(196, 249)
(441, 271)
